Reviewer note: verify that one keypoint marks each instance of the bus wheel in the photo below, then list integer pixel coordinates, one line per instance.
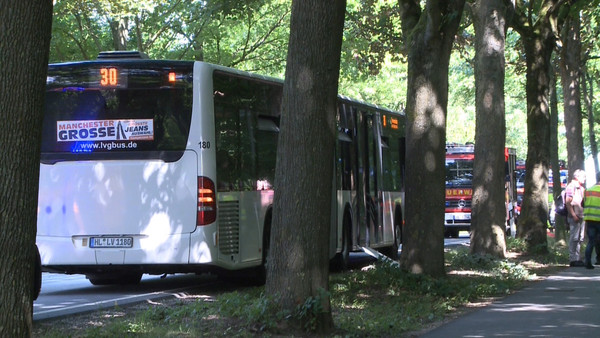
(261, 270)
(259, 273)
(37, 282)
(392, 251)
(115, 278)
(341, 260)
(451, 233)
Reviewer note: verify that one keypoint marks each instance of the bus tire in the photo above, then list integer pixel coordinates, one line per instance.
(260, 272)
(451, 233)
(341, 260)
(392, 251)
(37, 270)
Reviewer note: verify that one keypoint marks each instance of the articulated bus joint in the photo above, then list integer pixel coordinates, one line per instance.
(379, 256)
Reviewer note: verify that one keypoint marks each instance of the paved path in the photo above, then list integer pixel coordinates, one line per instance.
(563, 305)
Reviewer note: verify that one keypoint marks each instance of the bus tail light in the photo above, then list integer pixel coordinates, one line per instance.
(207, 203)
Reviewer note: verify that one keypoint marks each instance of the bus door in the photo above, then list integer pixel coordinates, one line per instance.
(345, 176)
(368, 201)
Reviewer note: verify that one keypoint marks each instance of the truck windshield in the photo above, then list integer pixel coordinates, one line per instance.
(459, 173)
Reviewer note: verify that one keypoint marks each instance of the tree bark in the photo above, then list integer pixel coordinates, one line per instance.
(538, 42)
(589, 96)
(429, 35)
(24, 44)
(119, 28)
(298, 265)
(570, 68)
(489, 211)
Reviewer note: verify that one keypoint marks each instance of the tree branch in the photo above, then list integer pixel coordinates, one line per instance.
(410, 12)
(516, 19)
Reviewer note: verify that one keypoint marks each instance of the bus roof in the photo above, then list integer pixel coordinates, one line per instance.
(133, 57)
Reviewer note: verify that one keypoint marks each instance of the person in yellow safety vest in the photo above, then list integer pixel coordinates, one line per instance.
(591, 216)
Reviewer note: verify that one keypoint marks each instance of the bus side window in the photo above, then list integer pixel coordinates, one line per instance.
(246, 118)
(267, 133)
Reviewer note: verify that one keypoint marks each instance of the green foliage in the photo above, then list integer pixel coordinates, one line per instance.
(249, 35)
(463, 260)
(460, 124)
(252, 306)
(516, 245)
(77, 32)
(262, 311)
(557, 254)
(386, 89)
(310, 311)
(372, 33)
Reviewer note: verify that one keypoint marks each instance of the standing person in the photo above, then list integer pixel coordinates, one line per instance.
(574, 195)
(591, 215)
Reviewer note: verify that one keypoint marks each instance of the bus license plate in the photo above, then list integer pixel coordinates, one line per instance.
(111, 242)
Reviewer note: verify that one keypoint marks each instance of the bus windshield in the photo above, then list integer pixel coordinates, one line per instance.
(142, 111)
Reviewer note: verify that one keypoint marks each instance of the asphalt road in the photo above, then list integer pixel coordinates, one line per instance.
(63, 295)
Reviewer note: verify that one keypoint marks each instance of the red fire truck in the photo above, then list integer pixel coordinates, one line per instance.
(459, 188)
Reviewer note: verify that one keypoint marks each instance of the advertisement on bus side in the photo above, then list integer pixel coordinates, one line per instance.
(105, 130)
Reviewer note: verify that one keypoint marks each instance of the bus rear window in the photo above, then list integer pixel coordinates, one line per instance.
(134, 111)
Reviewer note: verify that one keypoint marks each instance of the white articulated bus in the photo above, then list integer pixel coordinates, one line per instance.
(154, 166)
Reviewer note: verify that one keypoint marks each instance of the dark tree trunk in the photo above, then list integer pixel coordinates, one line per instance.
(299, 264)
(430, 35)
(570, 69)
(489, 210)
(138, 35)
(535, 22)
(24, 44)
(120, 32)
(534, 216)
(589, 96)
